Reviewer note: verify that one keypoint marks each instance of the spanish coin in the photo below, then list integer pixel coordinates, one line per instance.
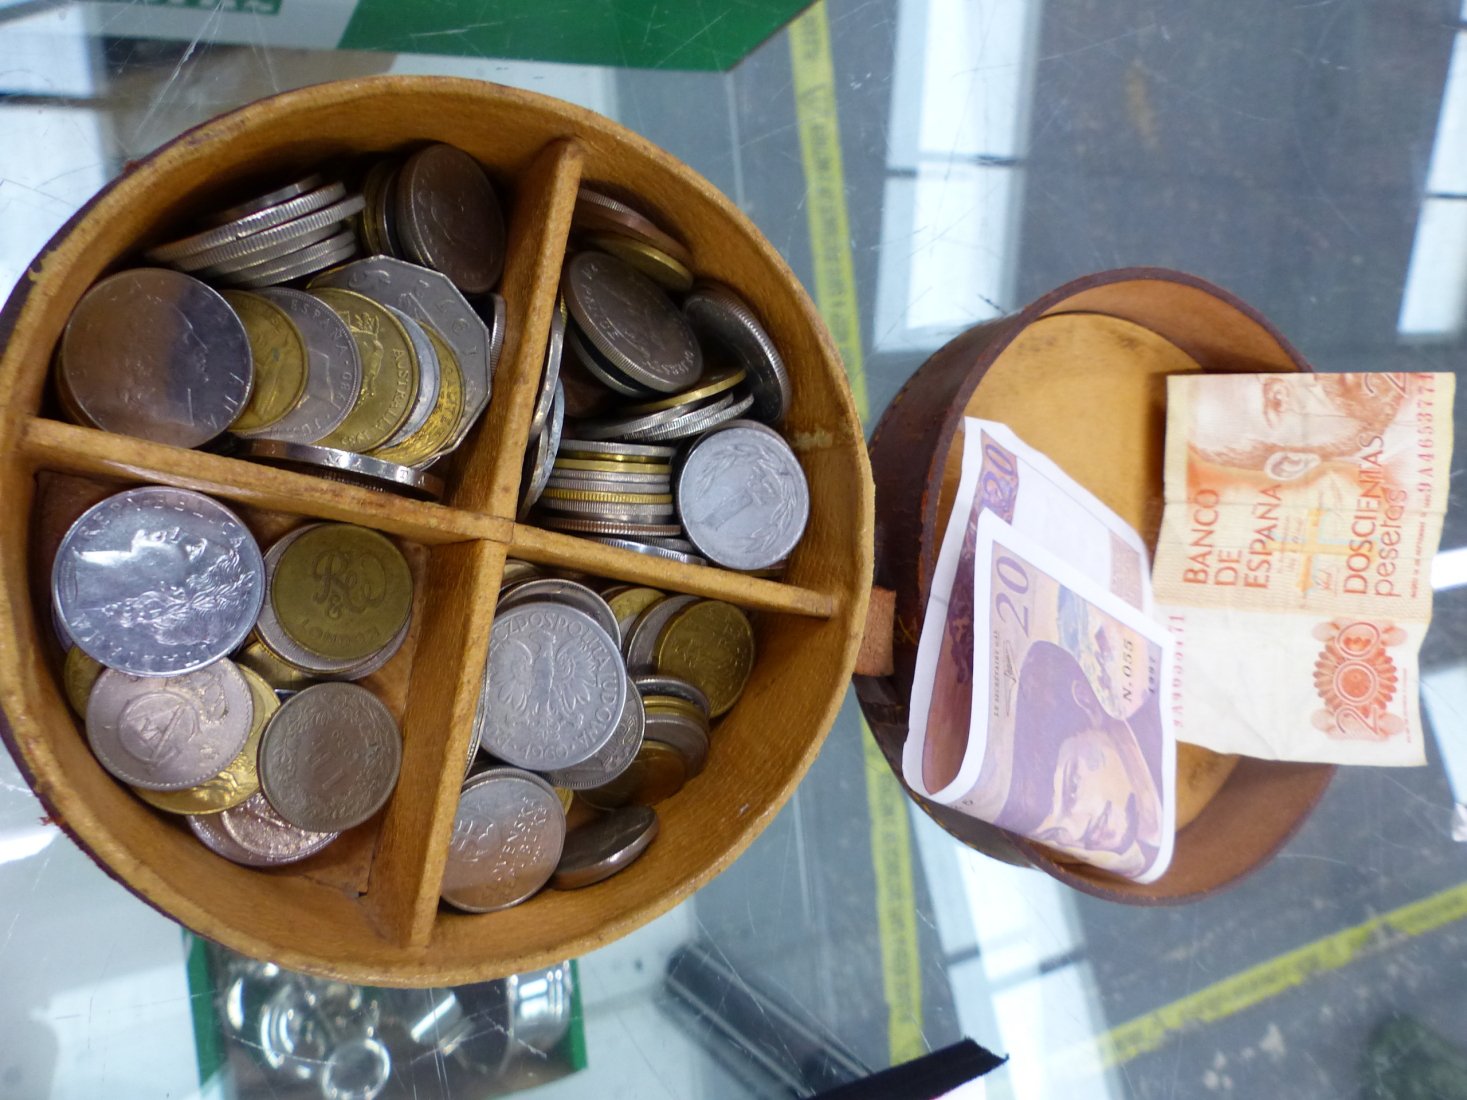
(78, 676)
(599, 367)
(275, 670)
(347, 467)
(436, 436)
(158, 582)
(684, 733)
(295, 265)
(253, 834)
(565, 592)
(743, 498)
(168, 733)
(239, 780)
(640, 646)
(726, 321)
(709, 644)
(157, 355)
(279, 353)
(660, 684)
(540, 459)
(658, 773)
(629, 319)
(333, 374)
(657, 265)
(605, 451)
(612, 758)
(627, 604)
(389, 372)
(426, 357)
(341, 591)
(270, 198)
(581, 526)
(596, 851)
(550, 377)
(330, 757)
(696, 421)
(449, 219)
(269, 244)
(596, 212)
(507, 839)
(554, 687)
(251, 223)
(649, 549)
(713, 383)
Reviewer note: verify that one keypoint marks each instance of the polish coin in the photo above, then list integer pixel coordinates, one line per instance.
(169, 733)
(575, 467)
(595, 212)
(627, 604)
(254, 835)
(554, 687)
(607, 451)
(631, 321)
(683, 733)
(507, 839)
(661, 684)
(78, 676)
(657, 265)
(726, 321)
(449, 218)
(550, 377)
(593, 480)
(658, 773)
(333, 374)
(157, 355)
(389, 372)
(280, 359)
(252, 223)
(581, 526)
(540, 460)
(158, 582)
(330, 757)
(427, 361)
(341, 591)
(631, 513)
(743, 498)
(709, 644)
(566, 592)
(628, 427)
(516, 571)
(597, 850)
(612, 758)
(641, 642)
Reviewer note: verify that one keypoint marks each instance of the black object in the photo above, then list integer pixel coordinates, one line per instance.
(924, 1078)
(1406, 1060)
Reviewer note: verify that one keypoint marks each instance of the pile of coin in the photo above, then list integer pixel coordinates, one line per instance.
(609, 694)
(649, 386)
(154, 589)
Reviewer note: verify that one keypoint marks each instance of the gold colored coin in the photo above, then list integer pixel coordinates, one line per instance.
(433, 438)
(658, 772)
(609, 498)
(617, 467)
(281, 361)
(235, 783)
(668, 704)
(276, 671)
(390, 372)
(710, 644)
(632, 602)
(79, 675)
(723, 380)
(566, 798)
(657, 265)
(342, 591)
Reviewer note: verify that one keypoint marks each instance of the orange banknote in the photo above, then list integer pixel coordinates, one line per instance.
(1294, 563)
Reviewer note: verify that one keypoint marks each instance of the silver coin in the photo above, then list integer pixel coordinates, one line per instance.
(615, 427)
(254, 835)
(569, 593)
(449, 218)
(682, 733)
(507, 838)
(650, 550)
(722, 318)
(594, 449)
(550, 377)
(497, 322)
(682, 546)
(554, 687)
(430, 298)
(271, 252)
(541, 458)
(329, 757)
(596, 851)
(743, 498)
(582, 526)
(169, 733)
(696, 422)
(662, 684)
(343, 466)
(641, 642)
(270, 198)
(243, 227)
(429, 378)
(612, 758)
(333, 374)
(296, 265)
(157, 581)
(595, 481)
(631, 321)
(594, 362)
(157, 355)
(263, 246)
(612, 513)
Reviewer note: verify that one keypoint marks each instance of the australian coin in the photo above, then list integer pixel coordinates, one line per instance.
(295, 265)
(436, 436)
(239, 780)
(661, 684)
(255, 835)
(599, 849)
(722, 318)
(612, 758)
(550, 376)
(696, 421)
(712, 384)
(657, 265)
(580, 526)
(449, 219)
(684, 733)
(330, 757)
(566, 592)
(78, 676)
(595, 212)
(630, 602)
(157, 355)
(270, 198)
(426, 357)
(599, 367)
(168, 733)
(640, 646)
(607, 451)
(252, 223)
(554, 687)
(709, 644)
(281, 363)
(650, 550)
(279, 673)
(540, 459)
(389, 372)
(632, 322)
(158, 582)
(333, 374)
(507, 839)
(658, 772)
(274, 242)
(347, 467)
(743, 498)
(341, 591)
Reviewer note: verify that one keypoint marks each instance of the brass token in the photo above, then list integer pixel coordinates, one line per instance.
(276, 671)
(721, 382)
(80, 674)
(389, 372)
(669, 704)
(617, 466)
(235, 783)
(281, 362)
(632, 602)
(711, 645)
(609, 498)
(342, 592)
(658, 772)
(657, 265)
(431, 440)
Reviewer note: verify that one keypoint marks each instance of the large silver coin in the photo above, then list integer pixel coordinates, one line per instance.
(641, 642)
(169, 733)
(627, 427)
(696, 422)
(554, 687)
(346, 467)
(596, 851)
(507, 838)
(430, 298)
(540, 459)
(296, 265)
(603, 449)
(596, 481)
(629, 319)
(158, 582)
(270, 243)
(157, 355)
(550, 377)
(274, 251)
(270, 198)
(449, 219)
(254, 835)
(429, 378)
(600, 369)
(252, 223)
(722, 318)
(662, 684)
(630, 513)
(569, 593)
(333, 374)
(614, 757)
(329, 757)
(743, 498)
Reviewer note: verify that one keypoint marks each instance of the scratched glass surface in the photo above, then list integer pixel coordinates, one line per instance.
(1310, 158)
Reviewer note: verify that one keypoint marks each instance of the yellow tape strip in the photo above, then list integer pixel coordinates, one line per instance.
(1269, 979)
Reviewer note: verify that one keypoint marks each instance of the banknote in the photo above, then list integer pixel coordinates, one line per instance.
(1294, 563)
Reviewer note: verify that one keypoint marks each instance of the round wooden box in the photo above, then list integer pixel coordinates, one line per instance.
(366, 910)
(1080, 375)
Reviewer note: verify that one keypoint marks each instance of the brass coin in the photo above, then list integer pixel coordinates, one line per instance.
(657, 265)
(598, 213)
(721, 381)
(566, 798)
(235, 783)
(609, 498)
(274, 669)
(669, 704)
(80, 674)
(431, 440)
(658, 772)
(281, 364)
(342, 592)
(632, 602)
(617, 466)
(711, 645)
(389, 372)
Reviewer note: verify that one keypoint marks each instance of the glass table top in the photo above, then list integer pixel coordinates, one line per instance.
(923, 165)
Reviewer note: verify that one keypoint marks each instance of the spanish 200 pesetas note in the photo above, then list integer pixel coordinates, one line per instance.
(1294, 563)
